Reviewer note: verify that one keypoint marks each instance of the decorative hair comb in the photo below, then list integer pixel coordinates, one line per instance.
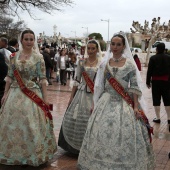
(92, 40)
(120, 33)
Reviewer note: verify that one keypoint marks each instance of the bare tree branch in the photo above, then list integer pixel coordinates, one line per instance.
(10, 28)
(46, 6)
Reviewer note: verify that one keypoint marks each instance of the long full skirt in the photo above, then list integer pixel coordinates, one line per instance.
(75, 122)
(26, 136)
(114, 139)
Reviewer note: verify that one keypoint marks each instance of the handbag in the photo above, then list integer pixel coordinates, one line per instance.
(70, 68)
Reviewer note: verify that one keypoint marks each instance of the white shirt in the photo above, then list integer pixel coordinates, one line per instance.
(62, 63)
(7, 54)
(56, 57)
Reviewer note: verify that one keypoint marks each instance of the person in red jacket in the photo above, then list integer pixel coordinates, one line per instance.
(137, 61)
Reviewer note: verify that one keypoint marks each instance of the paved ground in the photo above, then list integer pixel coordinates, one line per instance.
(59, 96)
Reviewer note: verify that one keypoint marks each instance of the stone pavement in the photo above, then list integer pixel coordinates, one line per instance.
(59, 96)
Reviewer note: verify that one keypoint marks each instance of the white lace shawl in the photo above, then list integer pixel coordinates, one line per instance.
(99, 82)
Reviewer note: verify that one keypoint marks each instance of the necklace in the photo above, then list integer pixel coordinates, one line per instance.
(117, 59)
(25, 56)
(91, 63)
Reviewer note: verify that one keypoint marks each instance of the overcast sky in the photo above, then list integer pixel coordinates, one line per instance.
(88, 13)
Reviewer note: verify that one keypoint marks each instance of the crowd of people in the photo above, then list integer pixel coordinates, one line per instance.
(105, 123)
(63, 61)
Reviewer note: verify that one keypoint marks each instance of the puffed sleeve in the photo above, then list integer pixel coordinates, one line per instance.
(78, 72)
(10, 71)
(10, 75)
(134, 88)
(41, 71)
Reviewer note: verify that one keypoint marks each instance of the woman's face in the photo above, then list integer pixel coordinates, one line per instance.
(63, 53)
(92, 50)
(117, 46)
(28, 41)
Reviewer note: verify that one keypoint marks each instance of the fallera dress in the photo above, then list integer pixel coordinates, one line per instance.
(26, 136)
(77, 114)
(115, 139)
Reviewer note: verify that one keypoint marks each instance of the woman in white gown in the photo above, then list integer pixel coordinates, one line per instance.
(26, 127)
(116, 138)
(77, 114)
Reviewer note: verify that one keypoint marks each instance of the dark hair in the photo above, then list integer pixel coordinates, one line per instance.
(42, 48)
(13, 42)
(5, 40)
(93, 42)
(25, 32)
(160, 48)
(61, 51)
(47, 46)
(120, 36)
(135, 56)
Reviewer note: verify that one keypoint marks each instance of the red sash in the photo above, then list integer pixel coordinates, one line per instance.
(120, 90)
(88, 81)
(33, 96)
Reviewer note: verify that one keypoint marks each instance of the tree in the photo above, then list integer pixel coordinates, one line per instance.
(9, 28)
(96, 36)
(156, 31)
(102, 45)
(12, 6)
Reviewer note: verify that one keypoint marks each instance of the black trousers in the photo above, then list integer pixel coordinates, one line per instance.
(63, 76)
(160, 89)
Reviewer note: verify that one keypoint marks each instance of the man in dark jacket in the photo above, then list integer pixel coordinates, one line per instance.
(3, 73)
(48, 63)
(52, 55)
(13, 45)
(4, 50)
(159, 74)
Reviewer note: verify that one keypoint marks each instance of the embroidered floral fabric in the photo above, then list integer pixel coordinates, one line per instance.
(25, 135)
(78, 113)
(114, 139)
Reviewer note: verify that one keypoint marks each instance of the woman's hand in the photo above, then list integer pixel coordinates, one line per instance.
(3, 98)
(136, 112)
(46, 100)
(71, 98)
(136, 104)
(47, 103)
(92, 108)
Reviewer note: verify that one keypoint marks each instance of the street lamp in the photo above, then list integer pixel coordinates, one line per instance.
(108, 26)
(86, 29)
(75, 35)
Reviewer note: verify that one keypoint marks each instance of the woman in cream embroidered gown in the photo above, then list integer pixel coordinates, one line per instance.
(115, 138)
(79, 110)
(26, 134)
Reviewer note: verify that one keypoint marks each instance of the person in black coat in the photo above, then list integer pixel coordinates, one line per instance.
(3, 73)
(48, 63)
(13, 45)
(137, 61)
(158, 74)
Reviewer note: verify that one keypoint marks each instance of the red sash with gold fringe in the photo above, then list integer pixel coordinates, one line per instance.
(120, 90)
(88, 81)
(32, 95)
